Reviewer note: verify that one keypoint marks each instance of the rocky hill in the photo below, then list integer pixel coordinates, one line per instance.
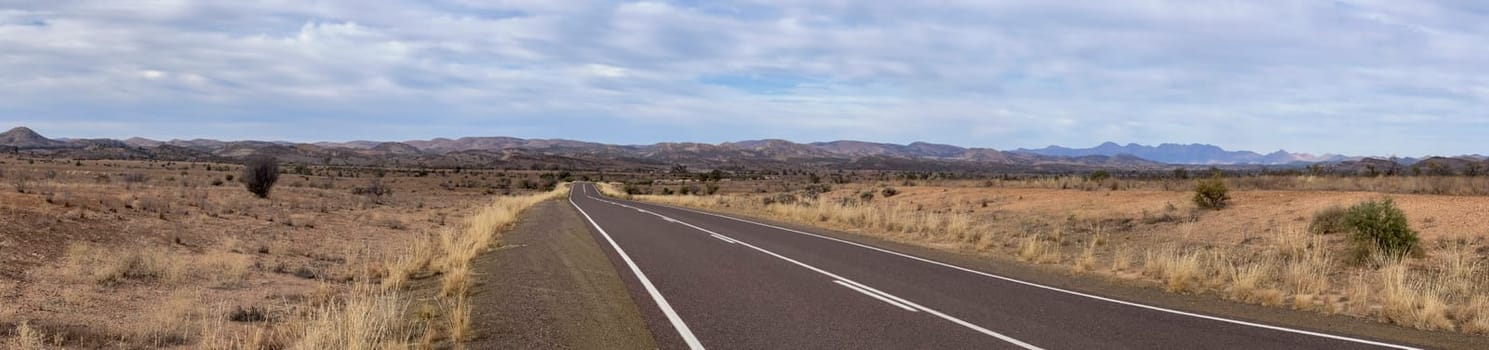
(23, 137)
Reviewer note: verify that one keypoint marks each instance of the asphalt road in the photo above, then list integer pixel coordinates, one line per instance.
(708, 281)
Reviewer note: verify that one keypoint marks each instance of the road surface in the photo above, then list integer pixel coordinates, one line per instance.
(709, 281)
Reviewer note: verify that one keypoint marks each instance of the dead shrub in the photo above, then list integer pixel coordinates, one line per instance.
(259, 175)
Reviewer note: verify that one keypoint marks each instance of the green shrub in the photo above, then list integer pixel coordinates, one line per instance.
(1211, 193)
(889, 192)
(1379, 226)
(1329, 220)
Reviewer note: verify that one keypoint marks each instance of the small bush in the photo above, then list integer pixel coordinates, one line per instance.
(1329, 220)
(811, 191)
(249, 314)
(1211, 193)
(889, 192)
(1380, 226)
(374, 191)
(1100, 175)
(259, 175)
(866, 196)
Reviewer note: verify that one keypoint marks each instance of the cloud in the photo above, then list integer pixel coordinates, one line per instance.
(1317, 76)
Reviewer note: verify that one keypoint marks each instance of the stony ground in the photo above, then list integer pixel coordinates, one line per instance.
(141, 254)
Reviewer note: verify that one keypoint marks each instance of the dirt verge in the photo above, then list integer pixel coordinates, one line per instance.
(552, 287)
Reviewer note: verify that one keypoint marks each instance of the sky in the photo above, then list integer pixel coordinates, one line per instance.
(1370, 77)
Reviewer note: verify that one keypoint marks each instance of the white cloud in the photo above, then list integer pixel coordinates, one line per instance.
(980, 73)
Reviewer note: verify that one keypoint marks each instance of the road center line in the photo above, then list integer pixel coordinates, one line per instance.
(725, 239)
(875, 296)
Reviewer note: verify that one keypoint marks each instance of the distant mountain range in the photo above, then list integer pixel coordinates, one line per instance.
(511, 152)
(1173, 153)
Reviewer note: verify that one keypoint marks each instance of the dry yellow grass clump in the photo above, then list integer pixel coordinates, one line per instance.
(365, 320)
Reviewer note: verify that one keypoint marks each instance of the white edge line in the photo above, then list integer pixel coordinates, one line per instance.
(1071, 292)
(875, 296)
(682, 328)
(958, 321)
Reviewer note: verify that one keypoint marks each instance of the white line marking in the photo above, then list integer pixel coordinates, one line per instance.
(1071, 292)
(682, 328)
(875, 296)
(725, 239)
(958, 321)
(880, 292)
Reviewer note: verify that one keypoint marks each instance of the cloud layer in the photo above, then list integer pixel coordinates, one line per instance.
(1361, 77)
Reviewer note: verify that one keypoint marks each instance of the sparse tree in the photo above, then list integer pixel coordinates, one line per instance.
(259, 175)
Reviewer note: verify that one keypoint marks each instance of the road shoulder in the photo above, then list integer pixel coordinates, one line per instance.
(551, 286)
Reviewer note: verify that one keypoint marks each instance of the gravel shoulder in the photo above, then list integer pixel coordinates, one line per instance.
(551, 286)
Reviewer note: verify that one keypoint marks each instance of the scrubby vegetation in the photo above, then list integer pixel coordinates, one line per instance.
(150, 254)
(1329, 220)
(1211, 193)
(1379, 226)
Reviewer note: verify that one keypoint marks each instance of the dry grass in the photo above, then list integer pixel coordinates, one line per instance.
(886, 218)
(26, 338)
(1305, 264)
(1122, 259)
(1247, 279)
(86, 262)
(121, 246)
(1034, 249)
(1437, 185)
(223, 269)
(459, 311)
(368, 319)
(450, 253)
(1413, 302)
(170, 323)
(1180, 270)
(403, 266)
(1087, 260)
(1475, 315)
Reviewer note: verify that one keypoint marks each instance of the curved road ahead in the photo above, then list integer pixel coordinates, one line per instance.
(710, 281)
